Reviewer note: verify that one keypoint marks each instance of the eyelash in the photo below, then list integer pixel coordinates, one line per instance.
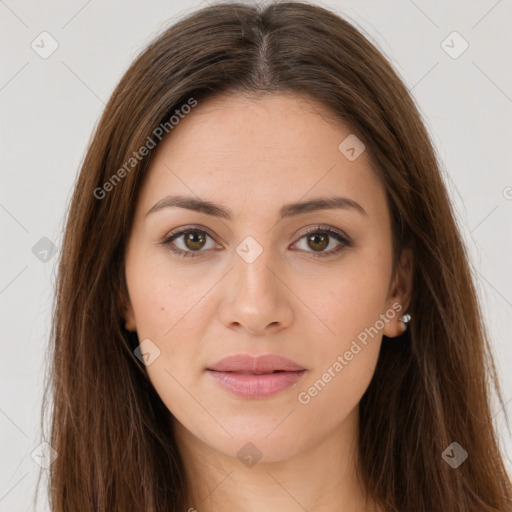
(344, 241)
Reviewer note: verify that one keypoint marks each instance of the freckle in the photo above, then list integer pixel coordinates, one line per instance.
(162, 308)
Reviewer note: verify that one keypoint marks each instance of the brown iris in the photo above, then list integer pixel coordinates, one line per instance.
(321, 239)
(194, 240)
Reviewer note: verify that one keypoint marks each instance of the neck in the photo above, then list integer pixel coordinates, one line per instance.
(319, 479)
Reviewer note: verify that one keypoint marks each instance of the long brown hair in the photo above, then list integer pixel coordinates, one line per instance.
(431, 387)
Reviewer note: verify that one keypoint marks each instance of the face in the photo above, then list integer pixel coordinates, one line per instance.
(254, 276)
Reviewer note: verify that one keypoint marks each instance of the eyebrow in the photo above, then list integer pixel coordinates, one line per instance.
(288, 210)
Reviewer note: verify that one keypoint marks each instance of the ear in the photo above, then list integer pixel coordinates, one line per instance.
(400, 293)
(127, 310)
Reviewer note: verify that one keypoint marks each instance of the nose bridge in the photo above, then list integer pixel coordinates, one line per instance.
(253, 263)
(256, 298)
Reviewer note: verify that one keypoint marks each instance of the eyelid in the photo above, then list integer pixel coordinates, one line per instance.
(327, 229)
(184, 229)
(340, 236)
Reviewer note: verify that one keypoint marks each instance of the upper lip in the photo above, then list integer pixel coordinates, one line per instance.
(247, 363)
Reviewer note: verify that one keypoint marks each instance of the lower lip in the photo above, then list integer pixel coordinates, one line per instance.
(256, 386)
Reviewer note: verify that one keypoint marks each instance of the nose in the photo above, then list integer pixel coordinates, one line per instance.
(256, 298)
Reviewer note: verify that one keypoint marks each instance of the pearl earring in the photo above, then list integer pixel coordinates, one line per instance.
(405, 319)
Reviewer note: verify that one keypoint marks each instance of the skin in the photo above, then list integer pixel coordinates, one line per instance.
(252, 155)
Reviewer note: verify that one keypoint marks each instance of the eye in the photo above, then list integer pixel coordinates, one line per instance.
(193, 242)
(318, 239)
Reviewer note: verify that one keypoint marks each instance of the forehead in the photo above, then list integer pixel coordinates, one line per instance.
(275, 148)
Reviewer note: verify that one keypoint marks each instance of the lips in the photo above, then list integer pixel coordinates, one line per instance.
(256, 377)
(245, 363)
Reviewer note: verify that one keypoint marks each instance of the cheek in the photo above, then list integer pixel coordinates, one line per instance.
(350, 297)
(173, 309)
(356, 302)
(170, 311)
(351, 303)
(163, 296)
(344, 357)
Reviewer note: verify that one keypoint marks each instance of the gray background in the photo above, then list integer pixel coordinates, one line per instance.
(50, 107)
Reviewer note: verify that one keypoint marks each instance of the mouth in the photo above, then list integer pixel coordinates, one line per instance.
(256, 373)
(252, 377)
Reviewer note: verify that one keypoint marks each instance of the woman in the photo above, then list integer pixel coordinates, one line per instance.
(263, 299)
